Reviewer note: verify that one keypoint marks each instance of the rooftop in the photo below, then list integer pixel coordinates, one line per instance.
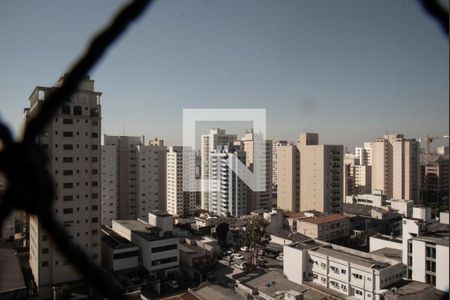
(216, 292)
(274, 284)
(160, 213)
(11, 278)
(367, 260)
(389, 253)
(113, 240)
(295, 237)
(408, 287)
(324, 219)
(387, 238)
(144, 230)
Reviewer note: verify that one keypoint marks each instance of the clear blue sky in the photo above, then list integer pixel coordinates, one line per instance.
(346, 69)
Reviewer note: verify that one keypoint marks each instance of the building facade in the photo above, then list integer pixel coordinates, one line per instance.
(133, 177)
(179, 201)
(72, 141)
(227, 192)
(321, 178)
(341, 270)
(209, 143)
(396, 166)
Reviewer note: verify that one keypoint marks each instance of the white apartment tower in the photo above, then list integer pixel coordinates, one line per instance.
(364, 154)
(72, 140)
(180, 202)
(227, 192)
(248, 143)
(396, 167)
(133, 177)
(209, 143)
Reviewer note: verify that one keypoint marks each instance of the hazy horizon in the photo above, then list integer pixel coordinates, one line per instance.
(349, 70)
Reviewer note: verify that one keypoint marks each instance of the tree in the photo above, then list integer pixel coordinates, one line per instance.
(221, 232)
(256, 236)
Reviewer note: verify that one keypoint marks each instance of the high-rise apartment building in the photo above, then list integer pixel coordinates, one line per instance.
(396, 167)
(321, 178)
(357, 177)
(133, 177)
(262, 156)
(288, 191)
(310, 176)
(275, 146)
(72, 140)
(227, 192)
(435, 178)
(364, 154)
(179, 201)
(209, 143)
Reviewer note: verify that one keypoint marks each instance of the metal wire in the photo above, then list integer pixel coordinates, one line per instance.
(24, 163)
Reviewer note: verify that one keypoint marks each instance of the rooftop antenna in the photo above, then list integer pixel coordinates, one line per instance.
(123, 129)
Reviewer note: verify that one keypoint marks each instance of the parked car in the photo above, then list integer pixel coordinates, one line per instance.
(227, 258)
(245, 248)
(173, 284)
(229, 252)
(242, 265)
(280, 257)
(238, 256)
(260, 259)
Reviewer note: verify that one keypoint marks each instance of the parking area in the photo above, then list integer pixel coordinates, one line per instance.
(268, 261)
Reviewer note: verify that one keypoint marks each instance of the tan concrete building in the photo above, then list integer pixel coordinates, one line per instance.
(288, 197)
(321, 178)
(133, 177)
(72, 140)
(357, 177)
(396, 167)
(324, 227)
(312, 171)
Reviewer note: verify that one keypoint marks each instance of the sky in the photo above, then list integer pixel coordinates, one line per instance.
(349, 70)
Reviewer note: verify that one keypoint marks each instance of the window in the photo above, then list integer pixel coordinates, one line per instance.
(77, 110)
(45, 251)
(164, 248)
(357, 276)
(65, 109)
(45, 264)
(67, 211)
(94, 134)
(67, 121)
(95, 220)
(68, 198)
(126, 254)
(94, 112)
(67, 134)
(67, 172)
(67, 146)
(68, 185)
(358, 292)
(94, 147)
(67, 159)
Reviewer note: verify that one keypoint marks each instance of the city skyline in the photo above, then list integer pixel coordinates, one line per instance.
(376, 72)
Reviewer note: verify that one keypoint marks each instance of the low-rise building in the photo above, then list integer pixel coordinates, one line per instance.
(324, 227)
(426, 252)
(117, 252)
(342, 271)
(157, 242)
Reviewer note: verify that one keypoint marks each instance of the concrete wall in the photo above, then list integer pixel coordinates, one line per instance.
(378, 243)
(442, 269)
